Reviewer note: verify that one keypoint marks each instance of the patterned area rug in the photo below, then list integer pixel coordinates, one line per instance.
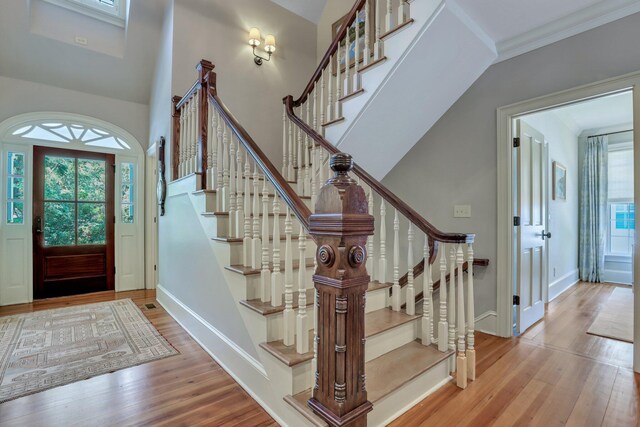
(50, 348)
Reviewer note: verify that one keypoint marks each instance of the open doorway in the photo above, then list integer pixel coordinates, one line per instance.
(574, 210)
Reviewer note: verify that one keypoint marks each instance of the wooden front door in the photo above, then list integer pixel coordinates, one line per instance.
(73, 225)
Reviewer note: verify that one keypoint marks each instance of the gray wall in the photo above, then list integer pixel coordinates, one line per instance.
(456, 161)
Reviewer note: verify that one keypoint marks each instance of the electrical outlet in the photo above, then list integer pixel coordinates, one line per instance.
(81, 40)
(462, 211)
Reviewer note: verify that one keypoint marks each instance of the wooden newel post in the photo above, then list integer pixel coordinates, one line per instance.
(340, 226)
(206, 77)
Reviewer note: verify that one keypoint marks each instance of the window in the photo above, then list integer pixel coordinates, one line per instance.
(66, 133)
(15, 187)
(621, 204)
(112, 11)
(127, 171)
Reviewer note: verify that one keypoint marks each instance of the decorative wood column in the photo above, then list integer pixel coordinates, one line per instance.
(206, 78)
(340, 226)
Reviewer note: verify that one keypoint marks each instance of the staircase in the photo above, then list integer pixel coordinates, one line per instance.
(347, 326)
(415, 58)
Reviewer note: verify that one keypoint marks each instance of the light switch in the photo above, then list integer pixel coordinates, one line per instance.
(462, 211)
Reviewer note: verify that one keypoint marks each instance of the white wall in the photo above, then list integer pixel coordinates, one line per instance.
(456, 161)
(20, 96)
(218, 31)
(334, 10)
(563, 214)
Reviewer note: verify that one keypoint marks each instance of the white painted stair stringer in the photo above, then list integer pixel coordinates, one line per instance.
(429, 65)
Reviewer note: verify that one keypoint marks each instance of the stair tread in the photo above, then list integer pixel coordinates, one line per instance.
(373, 326)
(384, 319)
(241, 239)
(397, 29)
(247, 271)
(375, 285)
(333, 122)
(372, 64)
(385, 374)
(352, 95)
(265, 308)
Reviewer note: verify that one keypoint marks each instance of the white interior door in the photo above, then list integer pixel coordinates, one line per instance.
(531, 275)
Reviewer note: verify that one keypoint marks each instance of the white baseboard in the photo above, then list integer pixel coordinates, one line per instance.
(617, 276)
(487, 323)
(245, 370)
(563, 283)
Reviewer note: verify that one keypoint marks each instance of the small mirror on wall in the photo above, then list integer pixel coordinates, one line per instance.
(559, 181)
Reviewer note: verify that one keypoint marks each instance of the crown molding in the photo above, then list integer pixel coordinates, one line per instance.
(576, 23)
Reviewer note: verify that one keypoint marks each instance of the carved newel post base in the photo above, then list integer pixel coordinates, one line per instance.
(340, 226)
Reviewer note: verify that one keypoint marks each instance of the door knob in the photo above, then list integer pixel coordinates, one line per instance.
(38, 225)
(547, 235)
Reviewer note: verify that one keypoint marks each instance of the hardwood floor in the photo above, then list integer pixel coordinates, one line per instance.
(554, 374)
(189, 389)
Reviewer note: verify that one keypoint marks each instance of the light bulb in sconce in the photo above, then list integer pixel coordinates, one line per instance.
(270, 43)
(254, 37)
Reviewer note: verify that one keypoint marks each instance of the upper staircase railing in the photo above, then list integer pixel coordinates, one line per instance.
(210, 143)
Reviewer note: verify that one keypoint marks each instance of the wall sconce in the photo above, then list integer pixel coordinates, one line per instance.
(269, 45)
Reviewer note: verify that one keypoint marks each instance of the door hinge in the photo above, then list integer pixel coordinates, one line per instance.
(516, 142)
(114, 168)
(516, 221)
(516, 300)
(154, 268)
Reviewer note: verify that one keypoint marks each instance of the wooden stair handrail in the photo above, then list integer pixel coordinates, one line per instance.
(481, 262)
(333, 47)
(285, 191)
(413, 216)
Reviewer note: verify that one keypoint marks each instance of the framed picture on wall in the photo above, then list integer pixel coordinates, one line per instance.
(559, 181)
(362, 22)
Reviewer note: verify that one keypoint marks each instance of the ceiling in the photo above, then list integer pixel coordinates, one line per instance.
(123, 70)
(311, 10)
(598, 113)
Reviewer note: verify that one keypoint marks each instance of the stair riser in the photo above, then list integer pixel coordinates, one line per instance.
(275, 325)
(237, 248)
(387, 341)
(253, 283)
(377, 299)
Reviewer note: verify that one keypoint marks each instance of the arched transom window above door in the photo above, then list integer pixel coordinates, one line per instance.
(71, 132)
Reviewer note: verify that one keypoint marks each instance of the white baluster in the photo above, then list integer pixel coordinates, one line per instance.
(265, 274)
(371, 261)
(315, 107)
(256, 246)
(377, 45)
(247, 242)
(180, 153)
(276, 277)
(233, 180)
(209, 142)
(452, 298)
(330, 93)
(338, 80)
(220, 165)
(196, 132)
(403, 12)
(389, 15)
(411, 293)
(471, 320)
(367, 33)
(322, 112)
(239, 201)
(307, 141)
(347, 66)
(443, 325)
(427, 297)
(289, 318)
(284, 140)
(300, 157)
(356, 51)
(187, 138)
(461, 360)
(396, 289)
(214, 147)
(190, 120)
(225, 170)
(314, 175)
(290, 170)
(302, 327)
(382, 270)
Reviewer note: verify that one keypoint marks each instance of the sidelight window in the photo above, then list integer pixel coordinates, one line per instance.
(15, 187)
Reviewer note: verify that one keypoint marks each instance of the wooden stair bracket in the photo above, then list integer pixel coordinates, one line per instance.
(340, 227)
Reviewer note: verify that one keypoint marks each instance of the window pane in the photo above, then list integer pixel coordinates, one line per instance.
(59, 224)
(15, 188)
(127, 214)
(620, 174)
(15, 212)
(127, 192)
(59, 178)
(91, 180)
(15, 164)
(91, 224)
